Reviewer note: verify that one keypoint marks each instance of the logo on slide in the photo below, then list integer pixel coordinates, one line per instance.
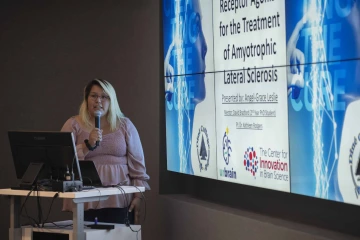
(354, 160)
(227, 173)
(251, 161)
(203, 148)
(226, 147)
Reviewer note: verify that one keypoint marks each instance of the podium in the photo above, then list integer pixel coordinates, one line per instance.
(78, 198)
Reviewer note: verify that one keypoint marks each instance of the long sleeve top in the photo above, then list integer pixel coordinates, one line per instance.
(119, 160)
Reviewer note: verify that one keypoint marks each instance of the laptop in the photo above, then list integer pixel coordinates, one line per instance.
(90, 175)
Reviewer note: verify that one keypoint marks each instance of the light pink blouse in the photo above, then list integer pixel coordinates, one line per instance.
(119, 160)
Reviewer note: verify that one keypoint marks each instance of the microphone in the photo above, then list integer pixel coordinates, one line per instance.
(97, 122)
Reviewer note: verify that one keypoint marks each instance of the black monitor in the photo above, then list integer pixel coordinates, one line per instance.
(47, 155)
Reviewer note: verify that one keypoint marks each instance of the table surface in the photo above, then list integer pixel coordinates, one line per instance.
(96, 192)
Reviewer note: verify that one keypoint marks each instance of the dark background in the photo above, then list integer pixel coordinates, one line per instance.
(51, 49)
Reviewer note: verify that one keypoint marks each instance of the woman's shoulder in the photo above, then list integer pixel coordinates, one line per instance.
(73, 122)
(128, 127)
(127, 123)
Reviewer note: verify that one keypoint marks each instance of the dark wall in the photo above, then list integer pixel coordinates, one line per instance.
(51, 49)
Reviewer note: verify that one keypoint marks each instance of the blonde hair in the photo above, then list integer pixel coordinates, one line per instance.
(114, 115)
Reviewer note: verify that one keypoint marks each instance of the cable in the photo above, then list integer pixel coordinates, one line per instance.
(137, 231)
(127, 220)
(143, 197)
(44, 185)
(64, 226)
(126, 204)
(39, 209)
(40, 223)
(53, 198)
(91, 183)
(99, 198)
(24, 206)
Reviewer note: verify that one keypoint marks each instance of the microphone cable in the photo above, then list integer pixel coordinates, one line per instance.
(127, 223)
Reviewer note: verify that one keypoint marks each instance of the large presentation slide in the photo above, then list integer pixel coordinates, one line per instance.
(265, 93)
(189, 87)
(250, 93)
(323, 107)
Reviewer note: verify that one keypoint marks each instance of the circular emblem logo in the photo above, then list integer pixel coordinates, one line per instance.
(226, 147)
(354, 161)
(251, 161)
(203, 148)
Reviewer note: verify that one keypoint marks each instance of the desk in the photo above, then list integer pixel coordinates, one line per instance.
(79, 198)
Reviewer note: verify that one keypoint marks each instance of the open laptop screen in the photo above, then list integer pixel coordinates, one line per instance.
(89, 173)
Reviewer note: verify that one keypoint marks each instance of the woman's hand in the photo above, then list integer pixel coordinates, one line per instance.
(136, 206)
(95, 135)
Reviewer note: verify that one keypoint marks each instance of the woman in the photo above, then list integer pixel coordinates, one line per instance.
(119, 157)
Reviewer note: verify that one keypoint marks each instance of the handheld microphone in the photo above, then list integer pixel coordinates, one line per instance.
(97, 122)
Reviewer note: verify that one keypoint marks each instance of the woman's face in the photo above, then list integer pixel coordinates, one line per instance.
(199, 50)
(189, 52)
(98, 100)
